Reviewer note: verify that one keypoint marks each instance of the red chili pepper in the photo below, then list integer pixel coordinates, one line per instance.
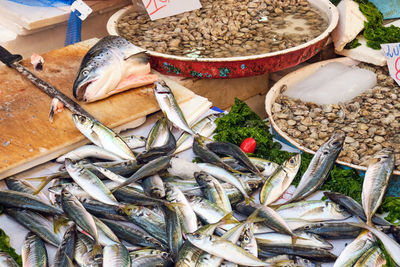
(248, 145)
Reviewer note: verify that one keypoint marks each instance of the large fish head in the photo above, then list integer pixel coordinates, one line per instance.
(100, 72)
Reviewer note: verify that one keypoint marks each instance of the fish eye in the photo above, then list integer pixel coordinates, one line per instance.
(85, 72)
(291, 161)
(164, 254)
(197, 236)
(246, 239)
(82, 119)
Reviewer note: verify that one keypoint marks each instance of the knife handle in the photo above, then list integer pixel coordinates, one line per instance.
(7, 58)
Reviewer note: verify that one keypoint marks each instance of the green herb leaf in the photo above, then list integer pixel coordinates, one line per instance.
(374, 31)
(352, 44)
(392, 206)
(346, 182)
(6, 247)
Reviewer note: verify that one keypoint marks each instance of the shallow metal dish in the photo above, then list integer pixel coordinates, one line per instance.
(233, 67)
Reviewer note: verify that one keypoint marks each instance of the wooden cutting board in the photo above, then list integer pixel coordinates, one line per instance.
(27, 138)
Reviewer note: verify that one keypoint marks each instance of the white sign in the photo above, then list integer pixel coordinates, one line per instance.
(392, 54)
(158, 9)
(82, 8)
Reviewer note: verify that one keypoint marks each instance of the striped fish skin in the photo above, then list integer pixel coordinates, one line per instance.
(116, 255)
(34, 253)
(376, 181)
(15, 199)
(352, 252)
(374, 257)
(66, 250)
(83, 252)
(36, 223)
(103, 136)
(169, 106)
(78, 214)
(280, 181)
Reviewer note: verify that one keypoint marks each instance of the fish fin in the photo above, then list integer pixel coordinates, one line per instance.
(369, 221)
(294, 239)
(44, 181)
(228, 219)
(172, 206)
(58, 222)
(253, 218)
(360, 224)
(249, 200)
(70, 262)
(97, 249)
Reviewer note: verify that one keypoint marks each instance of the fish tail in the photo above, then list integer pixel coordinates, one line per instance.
(58, 222)
(249, 200)
(97, 249)
(369, 221)
(253, 218)
(294, 239)
(172, 206)
(44, 181)
(228, 218)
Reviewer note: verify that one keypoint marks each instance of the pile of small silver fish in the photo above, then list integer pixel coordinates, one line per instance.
(130, 201)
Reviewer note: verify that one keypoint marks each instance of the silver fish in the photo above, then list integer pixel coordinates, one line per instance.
(10, 198)
(77, 213)
(168, 105)
(158, 134)
(185, 211)
(374, 257)
(223, 248)
(290, 261)
(306, 240)
(150, 168)
(89, 151)
(103, 136)
(83, 252)
(34, 252)
(225, 176)
(319, 167)
(352, 252)
(134, 141)
(24, 186)
(36, 223)
(391, 246)
(376, 181)
(313, 211)
(89, 182)
(205, 127)
(280, 181)
(248, 240)
(154, 186)
(111, 66)
(116, 256)
(65, 252)
(213, 190)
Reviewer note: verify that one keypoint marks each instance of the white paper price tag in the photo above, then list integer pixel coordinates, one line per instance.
(82, 8)
(158, 9)
(392, 54)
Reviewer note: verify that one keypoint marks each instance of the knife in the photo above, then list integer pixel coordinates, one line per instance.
(12, 61)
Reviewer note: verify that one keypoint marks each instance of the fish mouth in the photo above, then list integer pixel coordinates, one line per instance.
(80, 92)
